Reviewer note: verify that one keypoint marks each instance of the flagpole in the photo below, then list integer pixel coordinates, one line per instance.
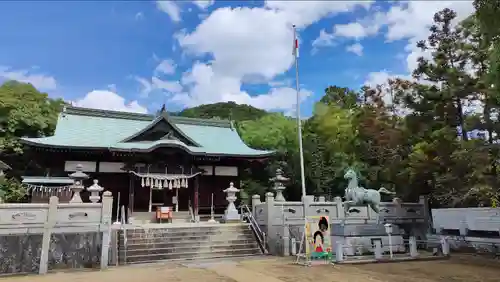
(303, 243)
(299, 127)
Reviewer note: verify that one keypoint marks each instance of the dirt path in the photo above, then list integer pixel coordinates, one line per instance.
(283, 270)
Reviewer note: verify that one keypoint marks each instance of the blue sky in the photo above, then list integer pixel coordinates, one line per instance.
(134, 56)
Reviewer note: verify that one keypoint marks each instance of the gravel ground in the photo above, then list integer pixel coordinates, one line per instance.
(463, 269)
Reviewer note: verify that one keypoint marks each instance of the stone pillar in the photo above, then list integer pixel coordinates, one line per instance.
(378, 249)
(413, 247)
(255, 202)
(47, 231)
(107, 209)
(78, 176)
(339, 252)
(286, 240)
(270, 209)
(231, 213)
(279, 185)
(321, 199)
(340, 208)
(445, 246)
(94, 190)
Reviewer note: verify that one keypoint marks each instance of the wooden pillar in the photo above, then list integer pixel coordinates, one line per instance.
(196, 196)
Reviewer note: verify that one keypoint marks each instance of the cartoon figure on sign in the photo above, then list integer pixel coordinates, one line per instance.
(321, 240)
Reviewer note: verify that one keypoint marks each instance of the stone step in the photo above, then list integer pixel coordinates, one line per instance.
(168, 234)
(196, 260)
(190, 255)
(167, 229)
(163, 244)
(145, 250)
(181, 240)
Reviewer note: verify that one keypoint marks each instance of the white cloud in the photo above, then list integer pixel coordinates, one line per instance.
(38, 80)
(139, 16)
(107, 100)
(354, 30)
(171, 8)
(112, 87)
(203, 4)
(171, 86)
(249, 43)
(355, 48)
(166, 66)
(324, 39)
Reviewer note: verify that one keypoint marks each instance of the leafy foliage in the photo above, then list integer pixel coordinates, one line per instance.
(229, 110)
(25, 112)
(11, 191)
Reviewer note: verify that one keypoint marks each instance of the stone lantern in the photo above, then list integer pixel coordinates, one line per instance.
(279, 185)
(231, 213)
(94, 190)
(78, 176)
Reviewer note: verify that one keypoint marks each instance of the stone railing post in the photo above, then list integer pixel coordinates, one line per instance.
(340, 207)
(445, 246)
(270, 209)
(78, 176)
(286, 240)
(413, 247)
(378, 249)
(231, 213)
(279, 185)
(94, 190)
(107, 209)
(47, 231)
(339, 252)
(255, 201)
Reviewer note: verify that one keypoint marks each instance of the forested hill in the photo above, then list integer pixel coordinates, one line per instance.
(224, 110)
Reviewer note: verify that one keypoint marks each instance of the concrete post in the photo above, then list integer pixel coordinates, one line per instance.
(445, 246)
(107, 206)
(340, 208)
(378, 249)
(286, 240)
(339, 252)
(270, 209)
(413, 247)
(47, 231)
(255, 203)
(293, 247)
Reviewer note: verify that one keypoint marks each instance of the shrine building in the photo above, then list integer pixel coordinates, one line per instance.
(146, 161)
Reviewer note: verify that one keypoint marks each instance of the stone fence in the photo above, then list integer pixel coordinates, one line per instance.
(35, 238)
(283, 220)
(476, 228)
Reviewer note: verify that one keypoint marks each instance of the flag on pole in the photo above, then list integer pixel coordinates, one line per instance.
(295, 46)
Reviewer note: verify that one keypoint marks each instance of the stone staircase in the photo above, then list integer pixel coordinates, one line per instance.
(186, 243)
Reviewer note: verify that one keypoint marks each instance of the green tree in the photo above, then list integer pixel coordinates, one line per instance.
(24, 112)
(224, 110)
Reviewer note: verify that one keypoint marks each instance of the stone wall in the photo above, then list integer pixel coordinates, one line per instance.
(21, 253)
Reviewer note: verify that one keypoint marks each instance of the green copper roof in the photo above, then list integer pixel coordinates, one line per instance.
(100, 129)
